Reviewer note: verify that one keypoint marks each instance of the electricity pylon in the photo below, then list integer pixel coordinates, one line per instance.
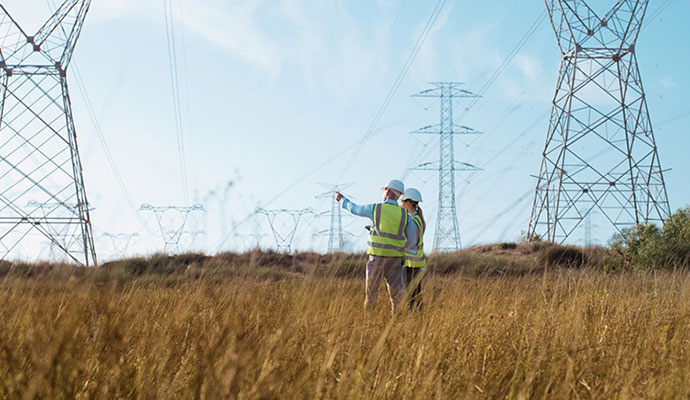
(588, 229)
(600, 151)
(172, 221)
(336, 239)
(189, 239)
(62, 237)
(120, 242)
(39, 157)
(250, 241)
(447, 235)
(285, 234)
(221, 196)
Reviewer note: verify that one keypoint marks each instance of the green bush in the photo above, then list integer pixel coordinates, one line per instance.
(646, 247)
(677, 237)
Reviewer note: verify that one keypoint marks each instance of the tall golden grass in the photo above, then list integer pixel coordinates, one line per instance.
(565, 333)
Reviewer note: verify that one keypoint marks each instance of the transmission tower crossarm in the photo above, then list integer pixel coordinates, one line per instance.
(599, 105)
(172, 236)
(436, 165)
(454, 129)
(447, 234)
(39, 155)
(14, 37)
(446, 89)
(50, 26)
(74, 34)
(57, 37)
(335, 232)
(284, 240)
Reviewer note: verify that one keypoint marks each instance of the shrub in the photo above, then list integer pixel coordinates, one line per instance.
(562, 256)
(645, 247)
(677, 238)
(507, 246)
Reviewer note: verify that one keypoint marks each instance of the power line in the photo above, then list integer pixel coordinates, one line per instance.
(120, 242)
(175, 85)
(447, 234)
(185, 76)
(406, 66)
(520, 44)
(289, 187)
(172, 221)
(336, 241)
(543, 116)
(501, 68)
(599, 106)
(37, 114)
(490, 222)
(359, 145)
(99, 132)
(104, 144)
(371, 72)
(657, 13)
(284, 234)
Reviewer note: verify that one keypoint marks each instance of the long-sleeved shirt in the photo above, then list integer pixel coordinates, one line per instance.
(367, 211)
(411, 247)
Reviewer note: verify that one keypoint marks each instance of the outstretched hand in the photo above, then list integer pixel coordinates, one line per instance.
(338, 196)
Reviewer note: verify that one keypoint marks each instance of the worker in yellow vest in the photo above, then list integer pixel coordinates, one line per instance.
(388, 238)
(415, 260)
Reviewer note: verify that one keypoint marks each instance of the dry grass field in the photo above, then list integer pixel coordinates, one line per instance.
(563, 333)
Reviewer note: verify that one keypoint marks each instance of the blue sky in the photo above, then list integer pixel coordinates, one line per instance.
(272, 89)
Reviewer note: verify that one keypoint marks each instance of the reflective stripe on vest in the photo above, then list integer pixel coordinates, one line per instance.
(387, 235)
(385, 246)
(418, 259)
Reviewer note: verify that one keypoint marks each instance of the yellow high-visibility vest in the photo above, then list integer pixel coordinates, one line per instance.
(387, 235)
(417, 260)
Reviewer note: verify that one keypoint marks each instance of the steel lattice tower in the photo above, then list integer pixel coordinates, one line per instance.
(120, 243)
(336, 242)
(42, 191)
(250, 241)
(336, 238)
(172, 221)
(447, 235)
(600, 151)
(284, 237)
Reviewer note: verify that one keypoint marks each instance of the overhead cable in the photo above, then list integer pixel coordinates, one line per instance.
(175, 85)
(398, 81)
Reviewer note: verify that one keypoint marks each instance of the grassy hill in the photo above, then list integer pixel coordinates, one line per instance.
(506, 320)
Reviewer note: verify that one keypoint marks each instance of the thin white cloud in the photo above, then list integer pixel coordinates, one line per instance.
(104, 10)
(472, 55)
(322, 40)
(424, 64)
(667, 82)
(529, 66)
(329, 46)
(235, 28)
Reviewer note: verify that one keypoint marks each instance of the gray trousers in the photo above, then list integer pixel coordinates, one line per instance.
(390, 269)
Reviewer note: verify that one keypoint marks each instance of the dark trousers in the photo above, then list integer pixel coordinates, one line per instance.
(412, 277)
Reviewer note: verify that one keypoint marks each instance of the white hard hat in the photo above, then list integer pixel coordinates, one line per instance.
(412, 194)
(395, 185)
